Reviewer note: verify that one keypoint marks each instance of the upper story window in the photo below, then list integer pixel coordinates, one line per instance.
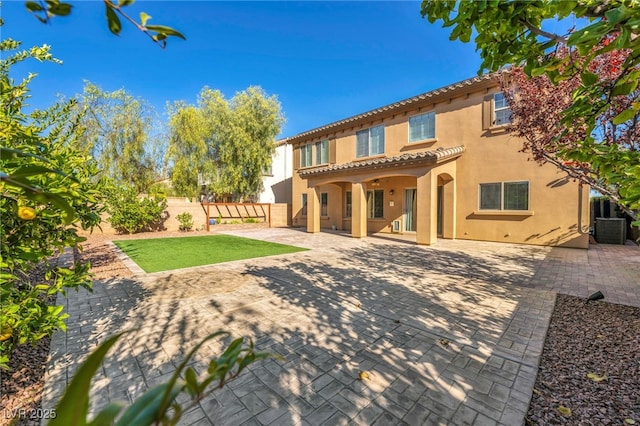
(422, 127)
(501, 110)
(322, 152)
(504, 196)
(370, 141)
(306, 152)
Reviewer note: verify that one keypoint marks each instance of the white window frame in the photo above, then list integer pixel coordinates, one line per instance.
(502, 195)
(306, 155)
(322, 152)
(369, 152)
(504, 108)
(423, 137)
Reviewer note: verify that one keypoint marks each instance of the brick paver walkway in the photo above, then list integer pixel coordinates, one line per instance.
(449, 334)
(612, 269)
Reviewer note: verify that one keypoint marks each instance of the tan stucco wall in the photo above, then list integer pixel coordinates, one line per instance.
(490, 156)
(280, 216)
(175, 206)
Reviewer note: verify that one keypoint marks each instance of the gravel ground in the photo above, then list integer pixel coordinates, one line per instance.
(590, 365)
(597, 338)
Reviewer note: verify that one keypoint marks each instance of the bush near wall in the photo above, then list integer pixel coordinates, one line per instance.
(130, 213)
(186, 221)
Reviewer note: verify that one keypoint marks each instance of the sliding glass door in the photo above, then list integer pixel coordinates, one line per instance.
(410, 209)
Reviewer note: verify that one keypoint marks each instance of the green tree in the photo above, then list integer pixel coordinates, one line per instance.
(48, 186)
(118, 128)
(511, 33)
(48, 191)
(187, 152)
(225, 143)
(248, 151)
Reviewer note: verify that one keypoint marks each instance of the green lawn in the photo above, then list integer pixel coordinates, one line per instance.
(163, 254)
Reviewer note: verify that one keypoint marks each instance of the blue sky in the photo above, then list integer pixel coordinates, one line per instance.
(324, 60)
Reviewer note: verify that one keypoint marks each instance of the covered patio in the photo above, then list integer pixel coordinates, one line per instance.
(406, 194)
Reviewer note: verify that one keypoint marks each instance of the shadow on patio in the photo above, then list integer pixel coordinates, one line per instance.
(442, 334)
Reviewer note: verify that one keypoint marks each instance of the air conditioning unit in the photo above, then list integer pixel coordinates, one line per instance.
(611, 230)
(396, 226)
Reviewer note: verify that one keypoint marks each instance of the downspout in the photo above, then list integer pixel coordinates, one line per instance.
(580, 231)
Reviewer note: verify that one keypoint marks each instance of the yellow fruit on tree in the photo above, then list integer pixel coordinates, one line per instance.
(26, 213)
(5, 334)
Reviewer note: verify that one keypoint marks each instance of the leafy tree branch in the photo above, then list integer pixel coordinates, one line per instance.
(48, 191)
(601, 60)
(44, 11)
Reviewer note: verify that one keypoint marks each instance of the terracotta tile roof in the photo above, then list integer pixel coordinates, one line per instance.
(400, 105)
(409, 159)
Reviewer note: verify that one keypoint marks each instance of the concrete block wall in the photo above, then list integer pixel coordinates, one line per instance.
(280, 215)
(176, 206)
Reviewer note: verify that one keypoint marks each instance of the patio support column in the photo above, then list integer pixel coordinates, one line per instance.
(427, 206)
(358, 210)
(313, 210)
(449, 210)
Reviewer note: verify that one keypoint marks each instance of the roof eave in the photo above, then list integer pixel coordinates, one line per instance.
(434, 158)
(478, 83)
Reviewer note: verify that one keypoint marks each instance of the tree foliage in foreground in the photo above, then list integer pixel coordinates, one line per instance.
(227, 143)
(165, 403)
(511, 33)
(603, 163)
(44, 10)
(48, 191)
(118, 134)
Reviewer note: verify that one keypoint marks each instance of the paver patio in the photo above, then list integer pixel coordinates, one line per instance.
(450, 334)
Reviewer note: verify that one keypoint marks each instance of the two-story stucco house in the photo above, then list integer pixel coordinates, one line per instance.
(439, 165)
